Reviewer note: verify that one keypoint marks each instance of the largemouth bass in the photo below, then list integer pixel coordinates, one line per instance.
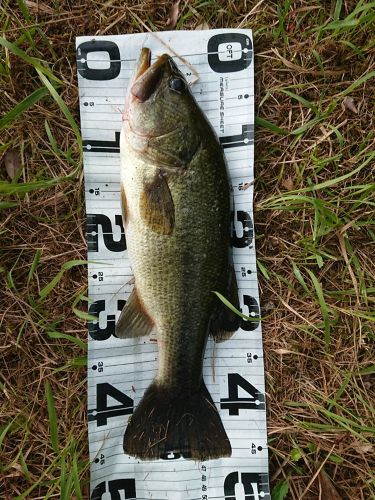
(177, 215)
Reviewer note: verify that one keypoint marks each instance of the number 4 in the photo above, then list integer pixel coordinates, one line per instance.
(103, 412)
(234, 403)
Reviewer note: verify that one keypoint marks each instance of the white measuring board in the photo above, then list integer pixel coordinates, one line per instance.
(119, 371)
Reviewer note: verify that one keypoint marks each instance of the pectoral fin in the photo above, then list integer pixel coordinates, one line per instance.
(156, 206)
(134, 320)
(224, 321)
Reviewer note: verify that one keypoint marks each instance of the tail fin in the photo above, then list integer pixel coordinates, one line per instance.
(170, 421)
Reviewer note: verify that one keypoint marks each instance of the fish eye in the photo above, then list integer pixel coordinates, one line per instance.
(177, 84)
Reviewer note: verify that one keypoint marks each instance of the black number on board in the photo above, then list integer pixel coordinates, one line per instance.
(254, 485)
(234, 403)
(235, 52)
(103, 412)
(93, 223)
(113, 52)
(100, 459)
(114, 487)
(102, 146)
(245, 239)
(245, 138)
(95, 331)
(253, 311)
(250, 357)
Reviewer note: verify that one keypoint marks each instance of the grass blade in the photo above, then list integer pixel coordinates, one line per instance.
(8, 188)
(357, 83)
(323, 307)
(344, 23)
(75, 474)
(77, 362)
(24, 9)
(4, 431)
(263, 270)
(34, 265)
(338, 7)
(53, 426)
(7, 204)
(24, 467)
(58, 335)
(301, 100)
(63, 486)
(307, 126)
(63, 107)
(84, 315)
(322, 185)
(78, 312)
(65, 267)
(28, 59)
(280, 491)
(298, 275)
(234, 309)
(22, 106)
(261, 122)
(46, 472)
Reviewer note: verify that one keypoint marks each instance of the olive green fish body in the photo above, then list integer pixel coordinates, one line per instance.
(176, 200)
(175, 274)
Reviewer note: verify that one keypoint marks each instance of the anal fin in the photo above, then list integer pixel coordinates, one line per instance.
(225, 322)
(134, 320)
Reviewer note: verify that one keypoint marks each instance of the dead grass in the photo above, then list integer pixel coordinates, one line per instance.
(315, 246)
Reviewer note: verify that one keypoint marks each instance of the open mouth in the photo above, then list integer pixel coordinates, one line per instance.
(148, 76)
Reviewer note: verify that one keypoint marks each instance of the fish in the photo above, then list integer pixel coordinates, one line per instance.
(176, 201)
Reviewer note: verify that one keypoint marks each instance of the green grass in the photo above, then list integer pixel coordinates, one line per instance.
(314, 215)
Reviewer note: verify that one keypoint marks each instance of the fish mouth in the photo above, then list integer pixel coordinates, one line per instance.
(148, 76)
